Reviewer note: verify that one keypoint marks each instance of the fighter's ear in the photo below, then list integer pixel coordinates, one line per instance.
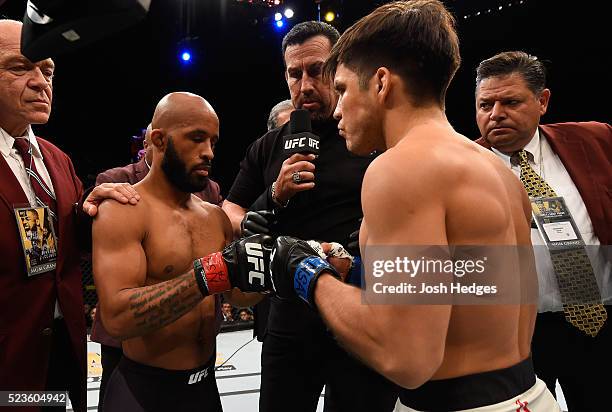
(159, 139)
(382, 83)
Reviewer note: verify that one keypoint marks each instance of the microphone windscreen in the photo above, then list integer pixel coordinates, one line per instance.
(300, 121)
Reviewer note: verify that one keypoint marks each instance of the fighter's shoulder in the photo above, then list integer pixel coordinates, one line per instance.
(406, 166)
(387, 183)
(207, 209)
(111, 211)
(213, 215)
(203, 206)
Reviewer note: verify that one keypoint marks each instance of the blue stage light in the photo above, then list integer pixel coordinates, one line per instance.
(279, 24)
(185, 56)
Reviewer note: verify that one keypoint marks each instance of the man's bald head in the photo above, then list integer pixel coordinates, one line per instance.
(10, 32)
(25, 86)
(146, 144)
(184, 131)
(179, 108)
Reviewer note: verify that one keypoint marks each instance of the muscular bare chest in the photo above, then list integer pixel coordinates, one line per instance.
(176, 237)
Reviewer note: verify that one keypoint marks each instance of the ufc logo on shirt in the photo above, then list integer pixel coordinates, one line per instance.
(255, 256)
(197, 377)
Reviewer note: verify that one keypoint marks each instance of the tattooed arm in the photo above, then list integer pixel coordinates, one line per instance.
(128, 307)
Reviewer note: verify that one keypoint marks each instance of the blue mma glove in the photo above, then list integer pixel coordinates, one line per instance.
(296, 267)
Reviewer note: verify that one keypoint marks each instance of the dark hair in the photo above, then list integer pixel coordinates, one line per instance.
(531, 69)
(278, 107)
(307, 30)
(416, 39)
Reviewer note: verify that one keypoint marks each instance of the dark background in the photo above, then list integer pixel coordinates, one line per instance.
(106, 93)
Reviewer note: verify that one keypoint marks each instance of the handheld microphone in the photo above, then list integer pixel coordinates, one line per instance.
(301, 139)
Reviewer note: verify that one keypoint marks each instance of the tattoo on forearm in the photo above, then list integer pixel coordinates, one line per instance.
(158, 305)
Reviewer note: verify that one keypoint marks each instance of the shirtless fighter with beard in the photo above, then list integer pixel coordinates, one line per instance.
(157, 264)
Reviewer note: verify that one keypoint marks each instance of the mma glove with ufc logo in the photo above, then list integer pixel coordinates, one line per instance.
(243, 264)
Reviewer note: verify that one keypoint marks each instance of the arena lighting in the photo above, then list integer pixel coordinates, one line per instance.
(54, 27)
(280, 24)
(265, 3)
(500, 8)
(330, 16)
(289, 13)
(277, 16)
(186, 56)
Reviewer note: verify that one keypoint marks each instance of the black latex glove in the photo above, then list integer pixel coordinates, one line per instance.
(353, 245)
(257, 222)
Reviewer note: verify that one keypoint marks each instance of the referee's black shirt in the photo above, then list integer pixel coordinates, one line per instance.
(329, 212)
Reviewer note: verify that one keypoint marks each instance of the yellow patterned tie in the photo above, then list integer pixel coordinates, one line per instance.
(577, 284)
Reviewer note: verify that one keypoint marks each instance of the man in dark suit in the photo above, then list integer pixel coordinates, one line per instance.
(42, 328)
(573, 161)
(133, 173)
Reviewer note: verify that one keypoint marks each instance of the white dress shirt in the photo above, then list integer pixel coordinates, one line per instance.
(15, 162)
(548, 165)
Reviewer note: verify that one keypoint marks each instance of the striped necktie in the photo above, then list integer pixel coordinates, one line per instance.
(577, 284)
(44, 196)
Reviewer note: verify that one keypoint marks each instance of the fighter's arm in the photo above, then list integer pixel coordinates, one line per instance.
(403, 342)
(129, 307)
(235, 213)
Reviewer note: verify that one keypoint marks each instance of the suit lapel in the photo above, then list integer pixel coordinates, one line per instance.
(58, 180)
(141, 169)
(11, 191)
(576, 161)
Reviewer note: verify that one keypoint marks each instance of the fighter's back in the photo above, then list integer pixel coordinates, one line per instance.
(489, 208)
(463, 195)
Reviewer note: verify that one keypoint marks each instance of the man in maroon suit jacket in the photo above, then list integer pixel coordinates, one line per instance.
(133, 173)
(42, 326)
(574, 159)
(584, 149)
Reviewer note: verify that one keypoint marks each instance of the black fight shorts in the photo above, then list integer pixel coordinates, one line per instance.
(135, 387)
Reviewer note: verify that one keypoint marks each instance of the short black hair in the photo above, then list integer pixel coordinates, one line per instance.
(307, 30)
(531, 69)
(416, 39)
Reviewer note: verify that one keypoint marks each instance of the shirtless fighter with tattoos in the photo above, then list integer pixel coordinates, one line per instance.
(158, 266)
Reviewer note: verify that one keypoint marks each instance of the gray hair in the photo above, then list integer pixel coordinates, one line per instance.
(279, 107)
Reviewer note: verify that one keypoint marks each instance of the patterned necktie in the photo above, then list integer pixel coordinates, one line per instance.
(577, 284)
(44, 196)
